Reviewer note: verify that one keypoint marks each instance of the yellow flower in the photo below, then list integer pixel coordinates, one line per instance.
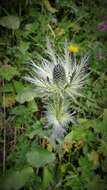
(73, 48)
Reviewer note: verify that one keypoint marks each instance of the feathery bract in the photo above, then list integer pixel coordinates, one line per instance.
(62, 77)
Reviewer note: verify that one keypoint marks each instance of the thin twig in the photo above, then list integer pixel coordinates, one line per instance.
(4, 133)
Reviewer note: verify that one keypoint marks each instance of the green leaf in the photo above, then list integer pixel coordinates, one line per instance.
(94, 157)
(37, 130)
(7, 88)
(32, 105)
(47, 177)
(86, 167)
(76, 134)
(19, 110)
(10, 22)
(49, 7)
(17, 179)
(23, 47)
(97, 183)
(18, 85)
(7, 72)
(26, 95)
(39, 157)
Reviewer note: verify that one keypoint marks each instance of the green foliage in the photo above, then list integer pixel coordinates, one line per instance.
(39, 157)
(17, 179)
(10, 22)
(26, 95)
(37, 130)
(47, 177)
(34, 161)
(7, 72)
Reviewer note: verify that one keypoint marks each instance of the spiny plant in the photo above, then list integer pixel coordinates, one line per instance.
(58, 80)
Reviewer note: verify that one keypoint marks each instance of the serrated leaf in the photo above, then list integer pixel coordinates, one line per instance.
(37, 130)
(10, 22)
(17, 179)
(26, 95)
(86, 167)
(7, 72)
(39, 157)
(103, 148)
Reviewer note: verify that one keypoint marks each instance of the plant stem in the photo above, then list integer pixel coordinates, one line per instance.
(4, 134)
(15, 135)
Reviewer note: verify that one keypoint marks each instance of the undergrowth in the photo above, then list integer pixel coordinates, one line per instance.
(29, 158)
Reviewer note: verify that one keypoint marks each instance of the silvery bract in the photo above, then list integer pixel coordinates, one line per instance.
(57, 80)
(58, 115)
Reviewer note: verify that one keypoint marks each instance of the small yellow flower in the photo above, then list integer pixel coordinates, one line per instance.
(73, 48)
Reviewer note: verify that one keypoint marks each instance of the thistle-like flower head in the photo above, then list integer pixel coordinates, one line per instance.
(58, 74)
(58, 79)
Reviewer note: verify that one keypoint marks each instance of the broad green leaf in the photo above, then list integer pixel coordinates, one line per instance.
(17, 179)
(23, 114)
(75, 134)
(19, 110)
(10, 22)
(39, 157)
(7, 72)
(47, 177)
(26, 95)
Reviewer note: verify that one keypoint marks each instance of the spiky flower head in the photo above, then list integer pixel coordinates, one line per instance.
(58, 74)
(58, 79)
